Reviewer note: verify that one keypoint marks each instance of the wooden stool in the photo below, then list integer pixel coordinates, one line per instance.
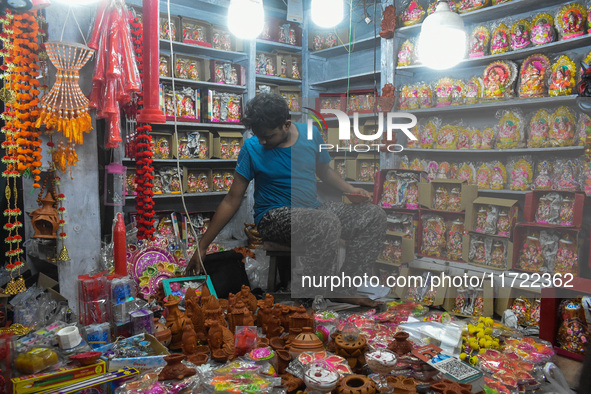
(275, 250)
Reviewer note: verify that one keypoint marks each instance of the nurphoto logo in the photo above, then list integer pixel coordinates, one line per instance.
(392, 123)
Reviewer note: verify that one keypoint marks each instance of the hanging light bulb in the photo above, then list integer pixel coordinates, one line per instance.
(327, 13)
(246, 18)
(442, 43)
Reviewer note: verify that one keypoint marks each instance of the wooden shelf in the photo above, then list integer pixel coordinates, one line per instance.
(267, 46)
(274, 79)
(357, 45)
(213, 85)
(188, 161)
(355, 77)
(221, 126)
(201, 51)
(553, 47)
(504, 191)
(517, 102)
(486, 14)
(178, 195)
(561, 149)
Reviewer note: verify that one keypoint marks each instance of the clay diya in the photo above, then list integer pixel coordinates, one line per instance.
(198, 358)
(175, 369)
(277, 343)
(283, 360)
(162, 333)
(87, 358)
(356, 384)
(401, 345)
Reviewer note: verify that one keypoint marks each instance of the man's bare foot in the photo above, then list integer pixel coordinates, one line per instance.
(361, 301)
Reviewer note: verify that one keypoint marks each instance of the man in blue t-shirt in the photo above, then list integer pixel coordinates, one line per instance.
(284, 164)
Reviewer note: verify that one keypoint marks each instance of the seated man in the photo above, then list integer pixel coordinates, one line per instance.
(284, 164)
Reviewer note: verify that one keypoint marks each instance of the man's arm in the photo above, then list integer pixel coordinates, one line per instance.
(223, 214)
(331, 177)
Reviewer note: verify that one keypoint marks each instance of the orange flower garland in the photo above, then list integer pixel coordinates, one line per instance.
(20, 37)
(22, 145)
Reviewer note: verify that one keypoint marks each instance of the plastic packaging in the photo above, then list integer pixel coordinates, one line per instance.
(539, 128)
(511, 129)
(499, 79)
(406, 53)
(35, 360)
(570, 21)
(500, 39)
(521, 174)
(562, 128)
(562, 80)
(520, 34)
(473, 91)
(533, 76)
(468, 5)
(116, 74)
(479, 42)
(413, 13)
(542, 29)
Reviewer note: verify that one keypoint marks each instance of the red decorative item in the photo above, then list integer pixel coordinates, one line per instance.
(142, 148)
(116, 75)
(87, 358)
(151, 113)
(120, 245)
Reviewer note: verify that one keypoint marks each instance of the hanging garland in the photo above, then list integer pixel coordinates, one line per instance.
(19, 37)
(143, 149)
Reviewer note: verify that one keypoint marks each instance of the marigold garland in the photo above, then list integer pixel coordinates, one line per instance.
(19, 37)
(142, 149)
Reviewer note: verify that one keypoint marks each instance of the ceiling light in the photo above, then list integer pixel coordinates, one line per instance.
(327, 13)
(442, 43)
(246, 18)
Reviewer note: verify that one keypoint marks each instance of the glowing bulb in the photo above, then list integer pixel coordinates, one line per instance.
(327, 13)
(246, 18)
(442, 43)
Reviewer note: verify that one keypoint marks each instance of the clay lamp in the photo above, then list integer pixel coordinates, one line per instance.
(45, 220)
(283, 360)
(320, 378)
(162, 333)
(307, 341)
(351, 345)
(175, 369)
(87, 358)
(401, 345)
(198, 358)
(356, 384)
(277, 343)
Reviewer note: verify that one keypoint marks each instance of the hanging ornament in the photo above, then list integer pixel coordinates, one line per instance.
(65, 107)
(143, 148)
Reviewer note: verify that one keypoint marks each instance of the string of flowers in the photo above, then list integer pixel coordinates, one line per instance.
(143, 148)
(20, 33)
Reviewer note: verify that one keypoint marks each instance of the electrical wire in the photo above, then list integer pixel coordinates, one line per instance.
(178, 163)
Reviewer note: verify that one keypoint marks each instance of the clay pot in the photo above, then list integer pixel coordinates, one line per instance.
(401, 345)
(277, 343)
(174, 369)
(283, 359)
(202, 349)
(219, 356)
(356, 384)
(293, 333)
(262, 342)
(307, 341)
(198, 358)
(161, 333)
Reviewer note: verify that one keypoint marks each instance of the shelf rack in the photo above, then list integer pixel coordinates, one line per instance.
(213, 85)
(177, 195)
(357, 45)
(202, 51)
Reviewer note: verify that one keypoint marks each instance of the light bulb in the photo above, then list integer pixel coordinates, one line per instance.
(327, 13)
(246, 18)
(78, 2)
(442, 43)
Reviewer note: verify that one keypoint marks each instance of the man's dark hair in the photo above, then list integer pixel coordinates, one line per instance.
(265, 111)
